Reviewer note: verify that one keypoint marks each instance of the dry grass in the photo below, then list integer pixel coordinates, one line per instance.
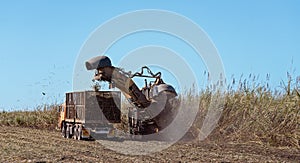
(42, 117)
(252, 112)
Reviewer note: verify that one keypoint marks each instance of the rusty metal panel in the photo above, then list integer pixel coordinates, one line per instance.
(74, 105)
(70, 108)
(94, 107)
(104, 106)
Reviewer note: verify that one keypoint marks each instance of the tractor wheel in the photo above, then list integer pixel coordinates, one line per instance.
(75, 132)
(63, 129)
(79, 133)
(68, 135)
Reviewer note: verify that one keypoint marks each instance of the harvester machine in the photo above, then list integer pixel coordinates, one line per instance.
(152, 106)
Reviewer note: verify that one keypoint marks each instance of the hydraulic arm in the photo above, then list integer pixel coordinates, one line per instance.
(153, 110)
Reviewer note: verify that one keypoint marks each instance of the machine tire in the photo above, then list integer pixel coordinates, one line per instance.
(63, 129)
(68, 135)
(75, 132)
(79, 133)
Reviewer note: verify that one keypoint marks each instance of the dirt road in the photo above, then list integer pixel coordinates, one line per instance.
(31, 145)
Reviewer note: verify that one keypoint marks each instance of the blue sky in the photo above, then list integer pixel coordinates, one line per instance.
(40, 40)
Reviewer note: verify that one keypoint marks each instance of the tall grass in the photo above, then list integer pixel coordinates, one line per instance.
(251, 112)
(254, 112)
(42, 117)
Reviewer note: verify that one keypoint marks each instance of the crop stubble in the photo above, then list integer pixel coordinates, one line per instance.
(27, 144)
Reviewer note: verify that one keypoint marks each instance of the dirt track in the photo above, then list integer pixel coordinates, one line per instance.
(25, 144)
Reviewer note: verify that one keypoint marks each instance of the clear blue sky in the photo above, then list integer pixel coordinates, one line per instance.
(40, 40)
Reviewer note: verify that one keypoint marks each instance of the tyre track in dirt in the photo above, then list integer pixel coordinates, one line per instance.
(27, 144)
(39, 142)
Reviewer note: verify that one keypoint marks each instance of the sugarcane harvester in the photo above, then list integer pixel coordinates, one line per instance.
(152, 106)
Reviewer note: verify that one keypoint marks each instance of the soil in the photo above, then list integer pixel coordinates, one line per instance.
(34, 145)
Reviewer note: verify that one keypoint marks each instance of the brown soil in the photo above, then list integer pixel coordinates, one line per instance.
(33, 145)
